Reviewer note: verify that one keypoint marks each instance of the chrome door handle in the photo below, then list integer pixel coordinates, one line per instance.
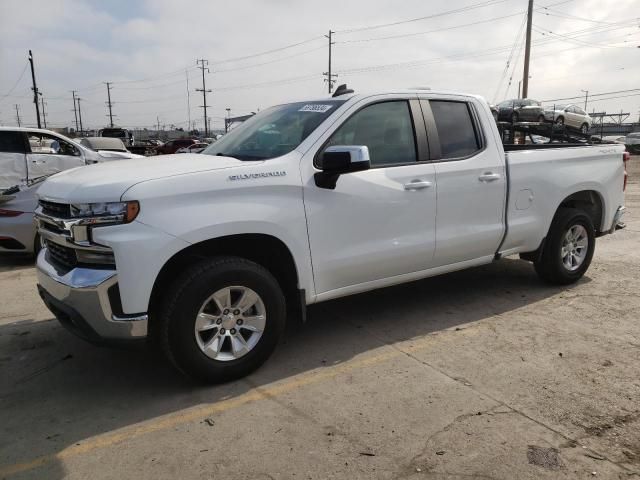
(417, 185)
(489, 177)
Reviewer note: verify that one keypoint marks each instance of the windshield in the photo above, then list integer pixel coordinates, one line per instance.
(273, 132)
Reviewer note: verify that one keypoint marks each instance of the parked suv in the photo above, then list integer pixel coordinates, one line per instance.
(570, 115)
(173, 145)
(520, 110)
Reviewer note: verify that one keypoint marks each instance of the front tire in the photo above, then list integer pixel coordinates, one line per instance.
(515, 117)
(560, 121)
(568, 249)
(222, 318)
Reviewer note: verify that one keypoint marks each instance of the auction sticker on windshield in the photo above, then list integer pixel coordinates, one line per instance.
(315, 108)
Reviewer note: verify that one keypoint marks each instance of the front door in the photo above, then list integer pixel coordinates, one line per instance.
(471, 182)
(50, 154)
(378, 223)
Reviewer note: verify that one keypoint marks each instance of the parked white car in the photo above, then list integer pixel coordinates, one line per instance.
(306, 202)
(632, 141)
(28, 155)
(570, 115)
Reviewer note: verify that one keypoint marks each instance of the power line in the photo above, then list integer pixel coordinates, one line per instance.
(592, 95)
(266, 52)
(444, 29)
(509, 59)
(17, 82)
(426, 17)
(555, 13)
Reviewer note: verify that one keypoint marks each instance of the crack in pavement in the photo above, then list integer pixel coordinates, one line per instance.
(479, 392)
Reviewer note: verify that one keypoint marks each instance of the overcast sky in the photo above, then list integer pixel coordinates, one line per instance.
(148, 48)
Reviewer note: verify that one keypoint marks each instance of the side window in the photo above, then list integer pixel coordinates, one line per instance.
(12, 142)
(456, 129)
(386, 128)
(43, 143)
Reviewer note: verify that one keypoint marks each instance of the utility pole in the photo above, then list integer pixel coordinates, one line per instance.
(203, 66)
(586, 97)
(186, 72)
(527, 52)
(109, 104)
(18, 114)
(330, 76)
(158, 120)
(80, 115)
(227, 121)
(34, 88)
(44, 115)
(75, 112)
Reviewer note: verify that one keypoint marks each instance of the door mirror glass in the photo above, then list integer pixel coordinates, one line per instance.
(338, 160)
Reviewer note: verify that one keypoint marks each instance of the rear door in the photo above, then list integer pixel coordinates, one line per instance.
(13, 150)
(471, 181)
(50, 154)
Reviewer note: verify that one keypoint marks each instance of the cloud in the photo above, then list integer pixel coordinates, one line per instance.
(78, 44)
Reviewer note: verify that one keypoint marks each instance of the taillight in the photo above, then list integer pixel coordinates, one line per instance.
(9, 213)
(625, 158)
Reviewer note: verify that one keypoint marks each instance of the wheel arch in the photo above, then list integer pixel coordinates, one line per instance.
(263, 249)
(590, 201)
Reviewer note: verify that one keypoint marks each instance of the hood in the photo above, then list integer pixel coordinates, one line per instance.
(106, 182)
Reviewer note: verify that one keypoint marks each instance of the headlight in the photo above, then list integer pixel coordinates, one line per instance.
(124, 212)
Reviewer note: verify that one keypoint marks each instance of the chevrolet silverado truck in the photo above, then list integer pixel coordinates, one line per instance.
(205, 256)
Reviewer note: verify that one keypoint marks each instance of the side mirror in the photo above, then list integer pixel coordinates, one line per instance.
(338, 160)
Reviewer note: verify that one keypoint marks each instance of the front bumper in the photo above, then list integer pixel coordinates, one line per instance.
(80, 300)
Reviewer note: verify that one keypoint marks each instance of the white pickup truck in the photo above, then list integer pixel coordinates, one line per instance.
(206, 255)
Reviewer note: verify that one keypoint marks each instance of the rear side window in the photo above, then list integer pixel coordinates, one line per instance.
(12, 142)
(456, 129)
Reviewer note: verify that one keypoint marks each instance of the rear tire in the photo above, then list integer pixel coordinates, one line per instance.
(584, 128)
(191, 348)
(514, 117)
(541, 119)
(568, 249)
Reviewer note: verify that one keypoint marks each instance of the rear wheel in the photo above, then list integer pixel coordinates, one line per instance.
(222, 319)
(541, 119)
(568, 249)
(584, 128)
(514, 117)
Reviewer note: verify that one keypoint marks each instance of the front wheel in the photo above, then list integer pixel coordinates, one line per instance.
(560, 121)
(568, 249)
(222, 319)
(515, 117)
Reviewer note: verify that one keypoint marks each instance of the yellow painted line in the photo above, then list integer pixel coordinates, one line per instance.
(197, 413)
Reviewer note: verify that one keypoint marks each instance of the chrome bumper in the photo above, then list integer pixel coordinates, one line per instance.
(616, 220)
(79, 299)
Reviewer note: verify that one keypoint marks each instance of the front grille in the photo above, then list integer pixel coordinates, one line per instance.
(59, 210)
(62, 256)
